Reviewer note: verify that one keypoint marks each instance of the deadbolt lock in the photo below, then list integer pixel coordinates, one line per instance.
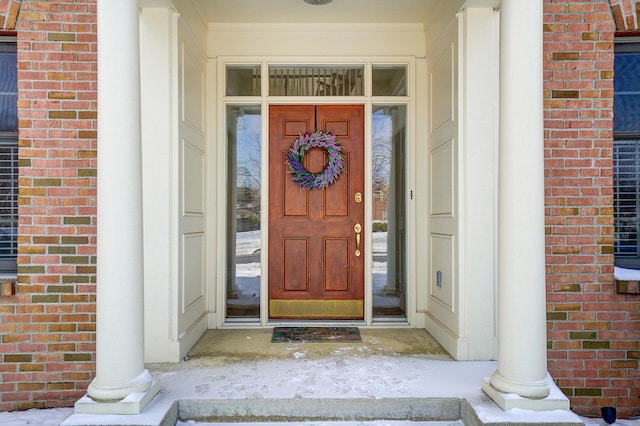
(358, 197)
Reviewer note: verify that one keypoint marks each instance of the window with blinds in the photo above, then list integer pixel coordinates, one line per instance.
(626, 199)
(8, 155)
(334, 80)
(626, 152)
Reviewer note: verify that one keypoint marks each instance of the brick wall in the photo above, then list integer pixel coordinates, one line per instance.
(48, 327)
(9, 10)
(593, 333)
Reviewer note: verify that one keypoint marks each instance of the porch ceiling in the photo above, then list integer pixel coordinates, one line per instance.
(338, 11)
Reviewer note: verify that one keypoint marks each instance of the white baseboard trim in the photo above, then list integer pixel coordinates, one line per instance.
(448, 340)
(192, 335)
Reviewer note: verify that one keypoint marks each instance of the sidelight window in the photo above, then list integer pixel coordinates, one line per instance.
(389, 211)
(243, 211)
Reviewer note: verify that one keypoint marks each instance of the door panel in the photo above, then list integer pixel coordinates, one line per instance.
(296, 273)
(313, 268)
(335, 251)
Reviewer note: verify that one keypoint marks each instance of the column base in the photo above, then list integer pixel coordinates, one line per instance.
(532, 389)
(113, 392)
(555, 400)
(133, 403)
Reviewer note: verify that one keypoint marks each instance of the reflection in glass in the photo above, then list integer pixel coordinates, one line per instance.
(389, 80)
(389, 211)
(8, 88)
(243, 211)
(321, 80)
(243, 80)
(626, 98)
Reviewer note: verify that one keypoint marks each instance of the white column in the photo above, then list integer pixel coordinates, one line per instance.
(120, 369)
(522, 351)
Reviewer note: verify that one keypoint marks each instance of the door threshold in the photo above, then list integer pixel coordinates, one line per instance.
(377, 323)
(255, 323)
(315, 323)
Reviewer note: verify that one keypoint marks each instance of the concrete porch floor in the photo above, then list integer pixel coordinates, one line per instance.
(233, 345)
(238, 375)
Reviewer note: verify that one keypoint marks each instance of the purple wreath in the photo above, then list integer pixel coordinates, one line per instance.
(335, 160)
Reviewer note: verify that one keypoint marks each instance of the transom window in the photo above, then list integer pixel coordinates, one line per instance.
(316, 80)
(626, 152)
(339, 80)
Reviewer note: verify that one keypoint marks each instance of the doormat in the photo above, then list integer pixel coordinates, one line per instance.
(315, 335)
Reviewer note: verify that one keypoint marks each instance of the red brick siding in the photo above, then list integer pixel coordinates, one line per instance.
(48, 328)
(9, 10)
(593, 333)
(625, 14)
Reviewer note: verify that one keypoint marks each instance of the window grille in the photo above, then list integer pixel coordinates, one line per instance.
(289, 80)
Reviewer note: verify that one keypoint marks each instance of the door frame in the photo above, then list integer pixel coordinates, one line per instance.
(218, 220)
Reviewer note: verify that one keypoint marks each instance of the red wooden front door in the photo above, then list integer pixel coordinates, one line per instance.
(316, 269)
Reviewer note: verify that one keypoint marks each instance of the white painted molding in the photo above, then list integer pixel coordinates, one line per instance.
(162, 4)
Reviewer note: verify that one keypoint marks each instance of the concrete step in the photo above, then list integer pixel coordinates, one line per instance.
(379, 411)
(329, 412)
(297, 410)
(323, 423)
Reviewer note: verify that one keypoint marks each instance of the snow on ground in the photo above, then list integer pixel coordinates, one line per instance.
(588, 422)
(53, 417)
(344, 377)
(247, 243)
(50, 417)
(600, 422)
